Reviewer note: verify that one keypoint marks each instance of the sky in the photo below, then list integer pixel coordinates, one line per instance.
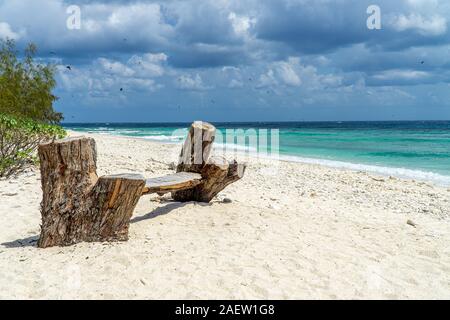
(240, 60)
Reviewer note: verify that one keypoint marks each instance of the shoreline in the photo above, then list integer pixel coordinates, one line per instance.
(413, 175)
(281, 169)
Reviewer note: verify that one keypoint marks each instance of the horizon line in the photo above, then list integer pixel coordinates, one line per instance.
(283, 121)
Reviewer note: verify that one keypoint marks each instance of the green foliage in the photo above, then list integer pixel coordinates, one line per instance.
(26, 86)
(19, 138)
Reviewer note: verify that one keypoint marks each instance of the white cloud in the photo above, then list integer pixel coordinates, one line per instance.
(241, 24)
(287, 73)
(281, 73)
(331, 80)
(145, 84)
(149, 65)
(235, 84)
(401, 75)
(232, 76)
(7, 33)
(105, 76)
(432, 26)
(422, 3)
(188, 82)
(267, 80)
(116, 67)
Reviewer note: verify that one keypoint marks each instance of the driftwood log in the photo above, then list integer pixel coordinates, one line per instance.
(79, 206)
(217, 173)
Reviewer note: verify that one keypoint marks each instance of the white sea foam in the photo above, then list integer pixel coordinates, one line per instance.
(235, 147)
(127, 132)
(163, 138)
(385, 171)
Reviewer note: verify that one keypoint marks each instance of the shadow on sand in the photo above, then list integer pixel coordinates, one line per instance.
(164, 210)
(20, 243)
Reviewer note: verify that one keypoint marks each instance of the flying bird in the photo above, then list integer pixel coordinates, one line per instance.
(121, 89)
(69, 67)
(422, 62)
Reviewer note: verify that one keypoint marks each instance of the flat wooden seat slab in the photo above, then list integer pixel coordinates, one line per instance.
(173, 182)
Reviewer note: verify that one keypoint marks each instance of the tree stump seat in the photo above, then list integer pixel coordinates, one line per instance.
(79, 206)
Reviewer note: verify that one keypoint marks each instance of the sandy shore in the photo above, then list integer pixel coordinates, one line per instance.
(297, 231)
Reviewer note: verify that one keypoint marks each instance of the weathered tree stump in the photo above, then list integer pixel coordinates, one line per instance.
(197, 147)
(217, 173)
(77, 205)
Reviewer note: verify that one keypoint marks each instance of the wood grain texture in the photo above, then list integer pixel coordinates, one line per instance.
(77, 205)
(197, 147)
(173, 182)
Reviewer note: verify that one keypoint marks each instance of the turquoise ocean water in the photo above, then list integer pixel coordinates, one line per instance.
(416, 150)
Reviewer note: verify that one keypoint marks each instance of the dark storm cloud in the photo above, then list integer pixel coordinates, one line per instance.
(201, 33)
(291, 51)
(312, 27)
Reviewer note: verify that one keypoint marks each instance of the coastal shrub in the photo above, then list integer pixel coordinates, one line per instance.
(26, 85)
(19, 138)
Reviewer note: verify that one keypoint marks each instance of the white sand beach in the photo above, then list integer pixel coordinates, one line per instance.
(304, 232)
